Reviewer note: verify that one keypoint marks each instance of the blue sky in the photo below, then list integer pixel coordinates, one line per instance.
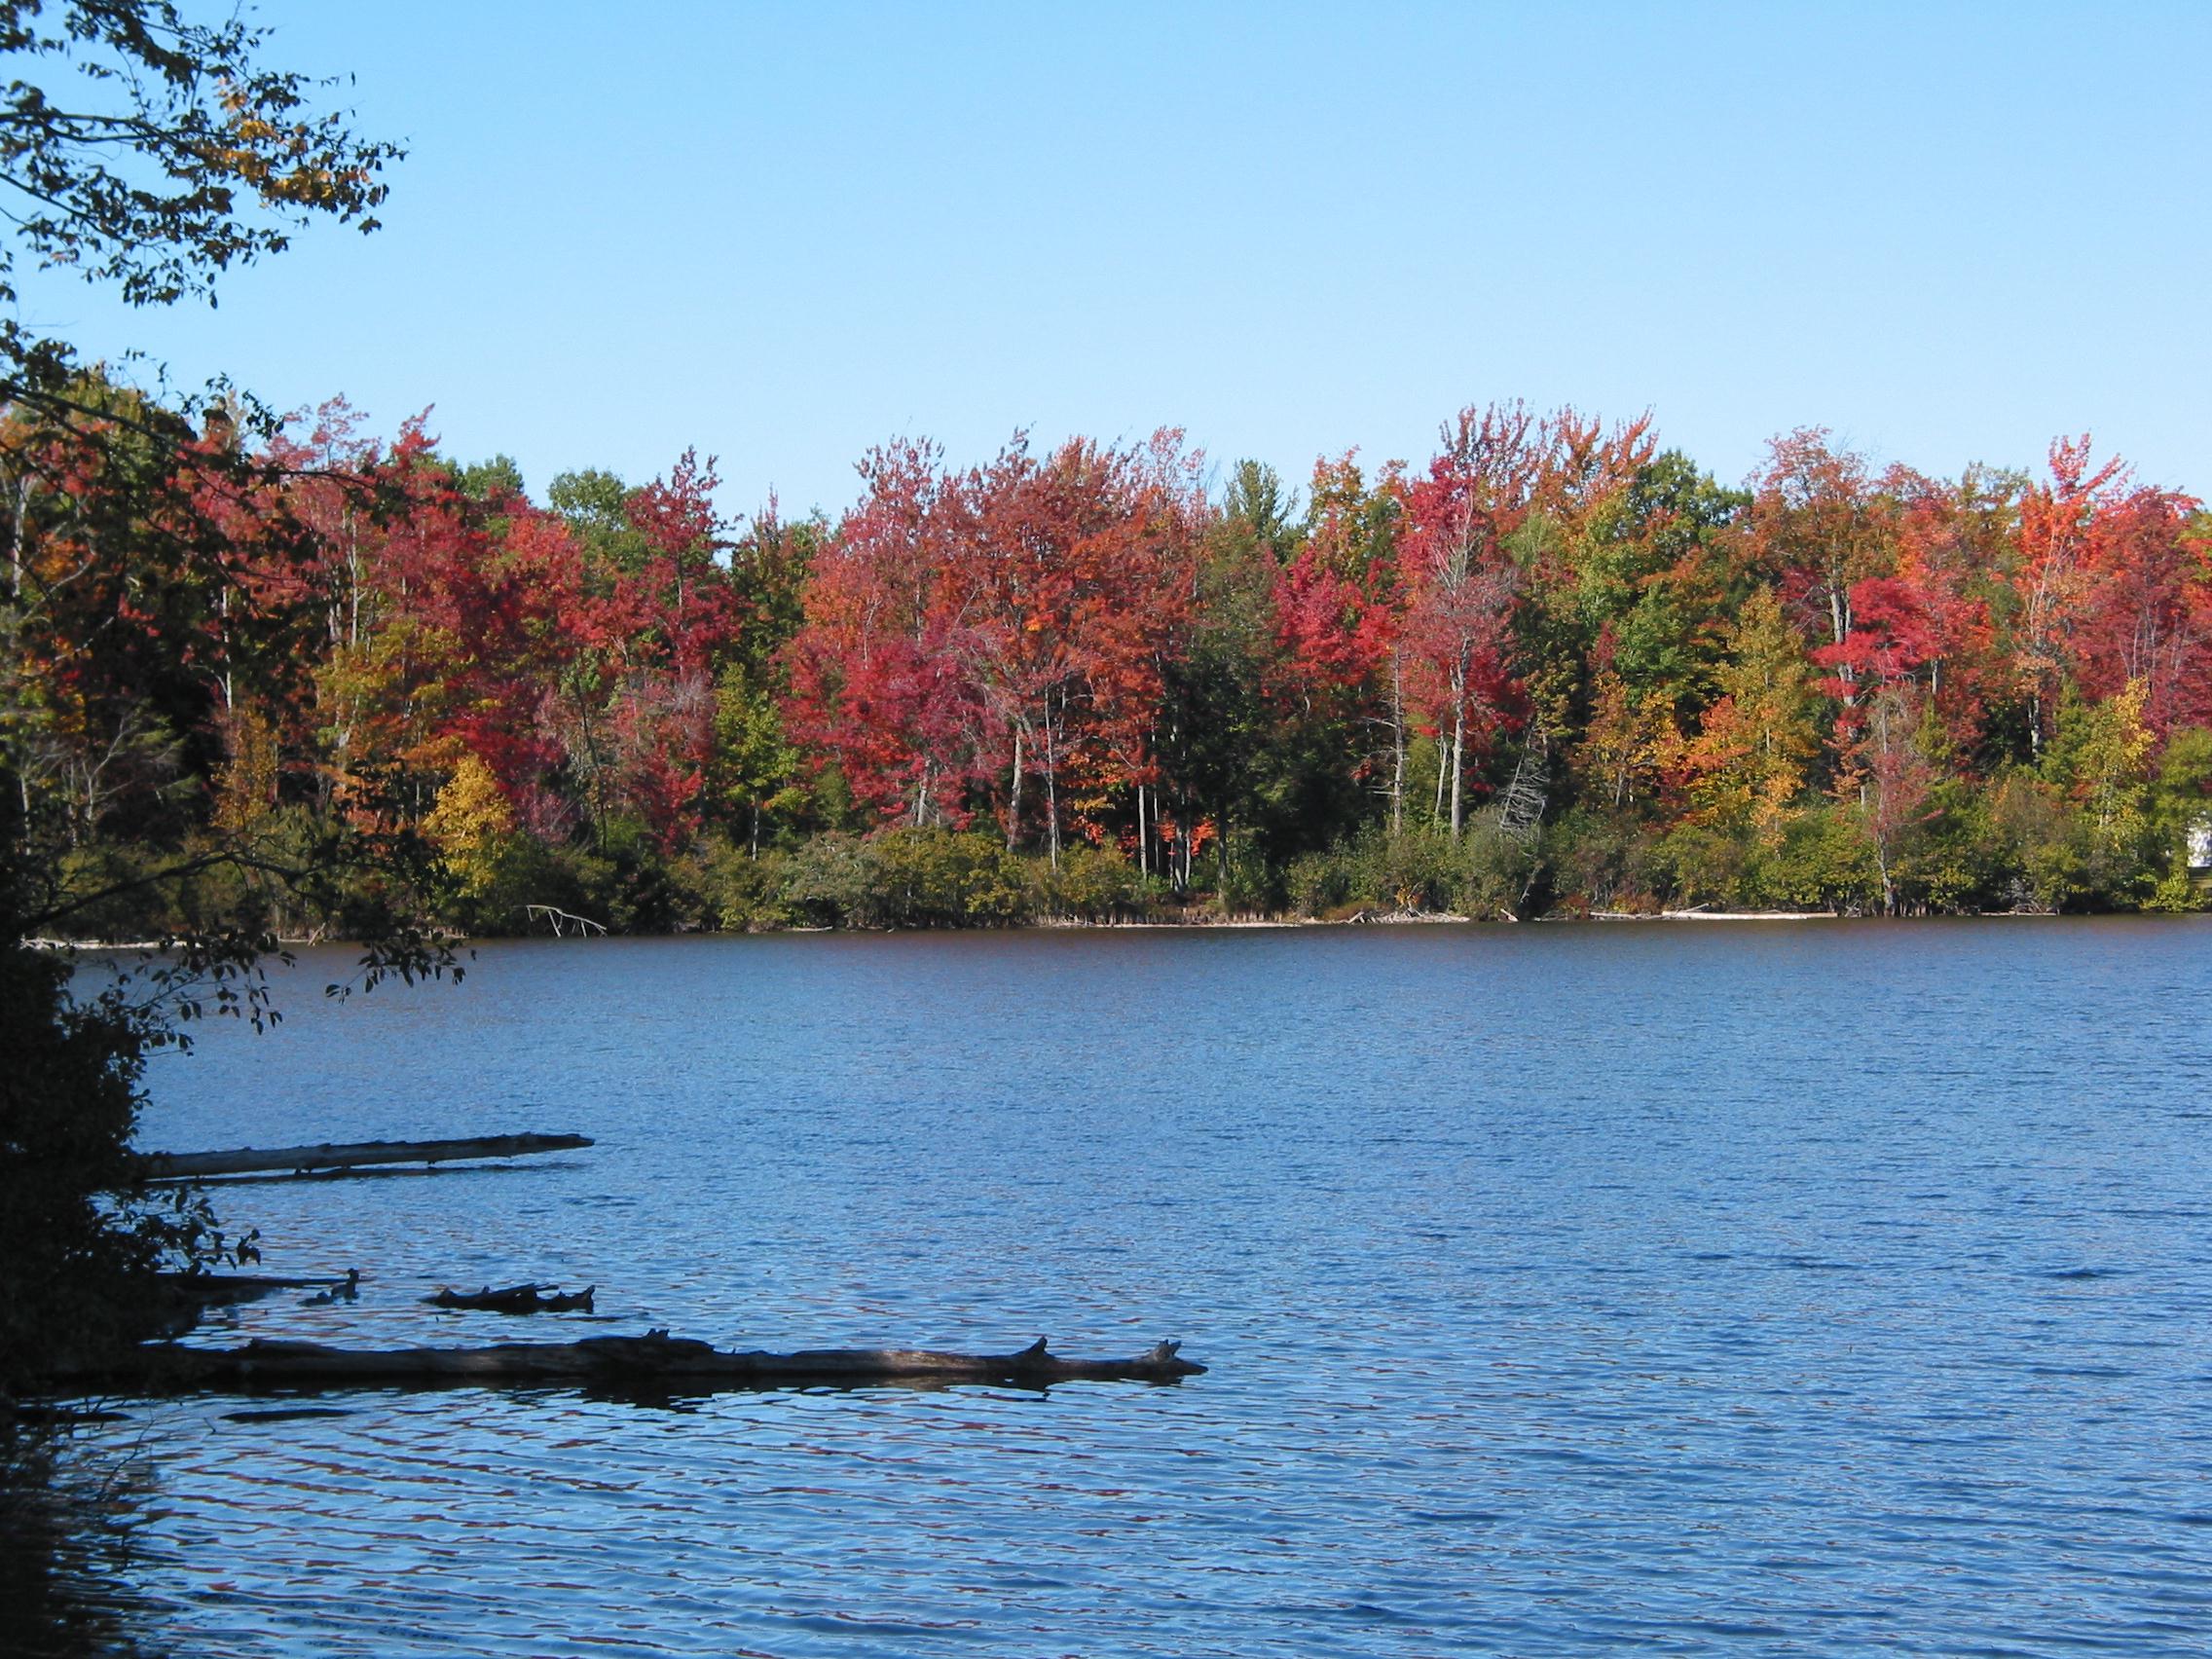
(785, 233)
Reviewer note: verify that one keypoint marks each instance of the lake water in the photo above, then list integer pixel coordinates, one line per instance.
(1808, 1288)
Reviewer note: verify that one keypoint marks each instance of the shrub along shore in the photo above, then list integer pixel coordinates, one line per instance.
(908, 878)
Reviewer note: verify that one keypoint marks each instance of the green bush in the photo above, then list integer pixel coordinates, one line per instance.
(943, 879)
(1094, 884)
(1245, 883)
(1708, 863)
(2044, 855)
(829, 882)
(1419, 871)
(129, 911)
(1489, 870)
(1410, 869)
(746, 893)
(1954, 865)
(1825, 861)
(1319, 884)
(2179, 893)
(1605, 861)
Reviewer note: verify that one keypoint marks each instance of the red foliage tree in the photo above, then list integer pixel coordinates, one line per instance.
(876, 688)
(1460, 581)
(2059, 529)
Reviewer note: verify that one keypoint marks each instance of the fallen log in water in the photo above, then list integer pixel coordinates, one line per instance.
(355, 1154)
(516, 1299)
(655, 1360)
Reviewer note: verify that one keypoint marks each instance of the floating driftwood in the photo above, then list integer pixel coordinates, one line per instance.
(655, 1360)
(357, 1155)
(516, 1299)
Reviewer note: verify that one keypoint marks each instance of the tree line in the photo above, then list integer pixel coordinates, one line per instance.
(1554, 667)
(263, 677)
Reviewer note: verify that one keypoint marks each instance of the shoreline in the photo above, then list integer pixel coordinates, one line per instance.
(1232, 924)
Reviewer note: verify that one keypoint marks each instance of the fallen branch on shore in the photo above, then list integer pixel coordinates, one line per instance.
(1404, 917)
(516, 1299)
(355, 1155)
(1699, 913)
(655, 1360)
(564, 919)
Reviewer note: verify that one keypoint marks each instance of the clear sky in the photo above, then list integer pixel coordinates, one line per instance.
(785, 233)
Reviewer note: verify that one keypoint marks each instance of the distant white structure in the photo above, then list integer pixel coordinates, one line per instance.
(2200, 844)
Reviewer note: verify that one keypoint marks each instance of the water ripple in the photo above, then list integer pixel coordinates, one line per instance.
(1694, 1290)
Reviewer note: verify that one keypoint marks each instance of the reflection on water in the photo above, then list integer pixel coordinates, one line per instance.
(1813, 1289)
(72, 1506)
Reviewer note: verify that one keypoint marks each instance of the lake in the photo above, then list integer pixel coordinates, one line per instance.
(1805, 1288)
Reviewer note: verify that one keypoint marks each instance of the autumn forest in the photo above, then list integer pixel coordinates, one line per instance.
(1554, 668)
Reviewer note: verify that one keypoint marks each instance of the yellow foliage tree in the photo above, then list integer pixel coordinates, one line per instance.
(1747, 763)
(245, 786)
(470, 817)
(2110, 772)
(1625, 743)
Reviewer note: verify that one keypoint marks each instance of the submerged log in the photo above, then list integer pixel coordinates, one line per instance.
(182, 1300)
(655, 1360)
(516, 1299)
(355, 1154)
(221, 1290)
